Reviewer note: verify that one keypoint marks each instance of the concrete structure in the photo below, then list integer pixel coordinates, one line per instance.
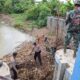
(76, 71)
(68, 73)
(53, 23)
(59, 66)
(69, 70)
(63, 64)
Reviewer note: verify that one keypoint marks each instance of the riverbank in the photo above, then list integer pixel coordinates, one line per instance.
(18, 21)
(28, 69)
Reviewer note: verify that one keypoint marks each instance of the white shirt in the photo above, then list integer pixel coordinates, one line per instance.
(37, 48)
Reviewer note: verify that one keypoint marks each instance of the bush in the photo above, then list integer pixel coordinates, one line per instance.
(44, 12)
(69, 6)
(2, 5)
(32, 13)
(39, 13)
(53, 5)
(18, 8)
(35, 12)
(63, 10)
(18, 20)
(8, 6)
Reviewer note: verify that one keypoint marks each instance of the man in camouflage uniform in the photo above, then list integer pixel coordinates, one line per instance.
(73, 20)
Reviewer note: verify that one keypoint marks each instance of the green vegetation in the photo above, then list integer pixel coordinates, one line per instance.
(26, 10)
(18, 20)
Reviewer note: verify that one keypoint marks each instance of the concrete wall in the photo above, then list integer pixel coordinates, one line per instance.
(68, 74)
(53, 23)
(64, 63)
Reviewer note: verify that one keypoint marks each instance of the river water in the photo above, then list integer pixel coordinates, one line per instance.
(10, 38)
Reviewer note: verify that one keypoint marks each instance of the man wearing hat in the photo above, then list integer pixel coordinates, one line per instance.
(73, 20)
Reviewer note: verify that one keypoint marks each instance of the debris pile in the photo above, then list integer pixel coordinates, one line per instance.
(28, 69)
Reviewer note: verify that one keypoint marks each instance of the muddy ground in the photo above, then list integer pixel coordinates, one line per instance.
(28, 69)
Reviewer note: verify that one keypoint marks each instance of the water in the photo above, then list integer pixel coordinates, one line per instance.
(10, 38)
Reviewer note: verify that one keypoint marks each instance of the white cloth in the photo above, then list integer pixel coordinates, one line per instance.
(4, 70)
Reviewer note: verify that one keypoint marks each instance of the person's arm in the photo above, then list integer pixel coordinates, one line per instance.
(14, 66)
(68, 19)
(32, 50)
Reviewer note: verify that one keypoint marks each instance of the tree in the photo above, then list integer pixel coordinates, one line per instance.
(44, 0)
(53, 5)
(2, 5)
(8, 6)
(69, 5)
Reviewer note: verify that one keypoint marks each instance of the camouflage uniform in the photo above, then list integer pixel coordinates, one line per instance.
(73, 29)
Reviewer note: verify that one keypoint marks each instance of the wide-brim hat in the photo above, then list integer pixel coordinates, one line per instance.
(77, 3)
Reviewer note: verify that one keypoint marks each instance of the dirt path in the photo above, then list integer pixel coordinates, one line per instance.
(6, 19)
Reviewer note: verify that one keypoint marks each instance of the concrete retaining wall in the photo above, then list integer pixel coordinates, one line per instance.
(64, 64)
(53, 23)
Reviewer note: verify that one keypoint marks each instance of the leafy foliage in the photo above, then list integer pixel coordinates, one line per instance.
(2, 5)
(8, 6)
(32, 13)
(38, 13)
(44, 11)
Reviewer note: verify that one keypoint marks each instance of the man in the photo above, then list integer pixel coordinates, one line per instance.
(37, 50)
(13, 66)
(73, 20)
(47, 46)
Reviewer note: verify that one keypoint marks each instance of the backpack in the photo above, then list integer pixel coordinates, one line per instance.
(76, 19)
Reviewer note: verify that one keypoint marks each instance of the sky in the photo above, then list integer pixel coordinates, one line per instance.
(60, 0)
(66, 0)
(63, 0)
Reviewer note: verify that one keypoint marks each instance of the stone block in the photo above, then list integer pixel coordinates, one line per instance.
(54, 22)
(61, 61)
(68, 73)
(5, 71)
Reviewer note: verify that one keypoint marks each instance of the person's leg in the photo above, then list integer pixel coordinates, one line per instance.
(76, 43)
(14, 74)
(35, 56)
(53, 50)
(67, 40)
(39, 58)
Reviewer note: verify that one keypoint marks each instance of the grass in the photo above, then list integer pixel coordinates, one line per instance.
(20, 22)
